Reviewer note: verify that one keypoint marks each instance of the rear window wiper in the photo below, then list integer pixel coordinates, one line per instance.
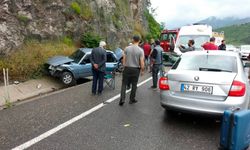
(214, 69)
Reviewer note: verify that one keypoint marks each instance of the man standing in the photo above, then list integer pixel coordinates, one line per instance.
(98, 60)
(157, 62)
(210, 45)
(223, 45)
(133, 61)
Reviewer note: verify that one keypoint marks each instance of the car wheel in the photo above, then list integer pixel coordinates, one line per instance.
(68, 79)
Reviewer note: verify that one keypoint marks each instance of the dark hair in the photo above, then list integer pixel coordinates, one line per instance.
(223, 41)
(192, 42)
(136, 38)
(212, 39)
(157, 42)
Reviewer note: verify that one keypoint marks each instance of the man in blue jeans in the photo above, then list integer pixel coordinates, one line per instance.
(157, 62)
(98, 60)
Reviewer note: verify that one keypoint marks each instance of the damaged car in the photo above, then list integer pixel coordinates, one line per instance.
(77, 65)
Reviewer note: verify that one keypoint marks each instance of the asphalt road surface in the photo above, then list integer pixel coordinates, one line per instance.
(141, 126)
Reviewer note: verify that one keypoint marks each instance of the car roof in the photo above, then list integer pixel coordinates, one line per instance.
(212, 52)
(88, 50)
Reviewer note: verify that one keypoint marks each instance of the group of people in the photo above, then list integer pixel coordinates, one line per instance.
(207, 46)
(134, 59)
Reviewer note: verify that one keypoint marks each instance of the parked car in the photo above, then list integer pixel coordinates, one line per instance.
(205, 82)
(232, 48)
(76, 66)
(244, 51)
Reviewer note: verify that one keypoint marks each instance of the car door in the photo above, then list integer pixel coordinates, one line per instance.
(111, 62)
(85, 69)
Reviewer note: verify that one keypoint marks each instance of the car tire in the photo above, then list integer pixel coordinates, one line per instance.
(68, 79)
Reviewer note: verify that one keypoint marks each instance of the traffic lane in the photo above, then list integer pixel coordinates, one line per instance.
(143, 125)
(32, 118)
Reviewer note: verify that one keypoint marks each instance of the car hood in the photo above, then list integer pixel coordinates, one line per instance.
(59, 60)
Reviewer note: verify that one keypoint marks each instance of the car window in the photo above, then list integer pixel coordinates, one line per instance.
(86, 59)
(110, 57)
(207, 63)
(77, 55)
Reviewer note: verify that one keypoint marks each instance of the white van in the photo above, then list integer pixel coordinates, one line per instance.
(199, 33)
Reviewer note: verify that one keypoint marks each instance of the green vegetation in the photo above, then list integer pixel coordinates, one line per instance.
(237, 34)
(23, 18)
(154, 26)
(76, 8)
(90, 40)
(68, 41)
(27, 62)
(82, 9)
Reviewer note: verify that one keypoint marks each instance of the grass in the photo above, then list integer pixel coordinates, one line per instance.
(27, 62)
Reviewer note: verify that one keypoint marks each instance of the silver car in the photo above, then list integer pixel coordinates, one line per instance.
(205, 82)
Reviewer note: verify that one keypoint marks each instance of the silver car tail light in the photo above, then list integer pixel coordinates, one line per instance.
(238, 89)
(163, 83)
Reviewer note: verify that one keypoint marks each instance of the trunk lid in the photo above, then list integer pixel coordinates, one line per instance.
(205, 85)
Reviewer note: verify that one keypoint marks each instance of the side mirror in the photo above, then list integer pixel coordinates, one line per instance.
(247, 65)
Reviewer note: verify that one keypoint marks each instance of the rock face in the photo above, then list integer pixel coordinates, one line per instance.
(114, 20)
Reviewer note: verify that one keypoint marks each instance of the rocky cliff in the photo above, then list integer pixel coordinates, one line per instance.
(115, 20)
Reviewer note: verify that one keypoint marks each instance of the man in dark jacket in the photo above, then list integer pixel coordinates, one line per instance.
(98, 60)
(222, 46)
(157, 62)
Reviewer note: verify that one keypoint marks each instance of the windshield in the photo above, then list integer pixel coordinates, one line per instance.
(245, 47)
(77, 56)
(168, 36)
(198, 40)
(207, 63)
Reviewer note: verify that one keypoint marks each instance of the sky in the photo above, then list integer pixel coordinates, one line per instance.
(175, 13)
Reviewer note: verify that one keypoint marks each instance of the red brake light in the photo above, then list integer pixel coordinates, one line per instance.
(163, 83)
(238, 89)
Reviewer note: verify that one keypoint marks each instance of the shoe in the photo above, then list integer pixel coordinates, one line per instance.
(133, 101)
(99, 93)
(93, 94)
(153, 87)
(121, 103)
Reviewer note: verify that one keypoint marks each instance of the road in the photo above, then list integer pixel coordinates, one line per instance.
(142, 126)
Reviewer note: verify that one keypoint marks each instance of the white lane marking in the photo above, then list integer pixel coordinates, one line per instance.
(69, 122)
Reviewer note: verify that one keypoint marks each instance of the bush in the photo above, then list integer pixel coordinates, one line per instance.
(76, 7)
(68, 41)
(28, 61)
(90, 40)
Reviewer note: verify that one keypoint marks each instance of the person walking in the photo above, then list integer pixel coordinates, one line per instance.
(222, 46)
(157, 62)
(210, 45)
(147, 50)
(98, 60)
(133, 61)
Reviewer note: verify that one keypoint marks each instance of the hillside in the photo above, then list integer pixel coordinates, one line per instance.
(216, 22)
(113, 20)
(237, 34)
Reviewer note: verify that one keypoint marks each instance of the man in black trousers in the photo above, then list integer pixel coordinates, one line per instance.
(133, 61)
(98, 60)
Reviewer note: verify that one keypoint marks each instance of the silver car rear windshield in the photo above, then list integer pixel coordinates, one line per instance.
(214, 63)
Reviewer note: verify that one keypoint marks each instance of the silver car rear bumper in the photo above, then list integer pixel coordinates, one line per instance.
(202, 106)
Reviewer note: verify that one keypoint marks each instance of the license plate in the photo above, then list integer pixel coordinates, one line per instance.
(197, 88)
